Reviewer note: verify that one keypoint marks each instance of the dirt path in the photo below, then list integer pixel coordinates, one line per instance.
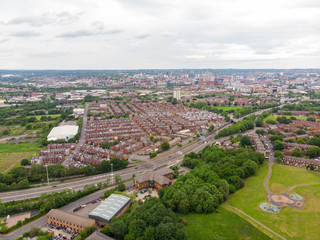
(256, 221)
(299, 185)
(9, 168)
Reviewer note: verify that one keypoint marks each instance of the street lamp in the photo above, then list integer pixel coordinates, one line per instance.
(111, 173)
(47, 174)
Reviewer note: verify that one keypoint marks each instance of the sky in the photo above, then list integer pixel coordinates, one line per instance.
(159, 34)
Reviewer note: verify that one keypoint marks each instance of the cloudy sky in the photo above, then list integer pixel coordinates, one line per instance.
(131, 34)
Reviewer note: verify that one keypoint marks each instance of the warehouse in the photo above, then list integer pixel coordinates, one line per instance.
(114, 206)
(63, 132)
(66, 220)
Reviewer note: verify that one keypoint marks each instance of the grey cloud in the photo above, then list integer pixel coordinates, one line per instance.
(87, 33)
(48, 54)
(4, 40)
(45, 19)
(25, 34)
(142, 36)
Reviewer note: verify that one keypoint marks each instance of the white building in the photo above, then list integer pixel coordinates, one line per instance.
(63, 132)
(177, 93)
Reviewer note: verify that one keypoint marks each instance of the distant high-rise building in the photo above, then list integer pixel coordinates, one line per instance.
(177, 93)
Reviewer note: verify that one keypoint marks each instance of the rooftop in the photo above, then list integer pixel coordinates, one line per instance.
(72, 218)
(110, 207)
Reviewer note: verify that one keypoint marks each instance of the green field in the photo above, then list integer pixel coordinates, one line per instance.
(12, 154)
(52, 115)
(284, 177)
(18, 130)
(224, 225)
(290, 223)
(226, 108)
(19, 147)
(274, 116)
(9, 160)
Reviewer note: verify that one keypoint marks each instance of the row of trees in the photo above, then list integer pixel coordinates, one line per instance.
(216, 173)
(44, 203)
(19, 177)
(241, 126)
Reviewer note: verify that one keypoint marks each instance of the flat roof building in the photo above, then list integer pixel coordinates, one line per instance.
(66, 220)
(114, 206)
(63, 132)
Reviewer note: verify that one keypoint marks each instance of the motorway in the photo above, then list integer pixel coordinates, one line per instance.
(164, 159)
(169, 157)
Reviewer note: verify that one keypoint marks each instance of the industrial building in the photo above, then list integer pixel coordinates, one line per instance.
(63, 132)
(66, 220)
(114, 206)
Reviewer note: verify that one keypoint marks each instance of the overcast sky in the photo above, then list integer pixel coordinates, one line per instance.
(131, 34)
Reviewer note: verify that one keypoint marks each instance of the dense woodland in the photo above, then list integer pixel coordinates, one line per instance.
(216, 173)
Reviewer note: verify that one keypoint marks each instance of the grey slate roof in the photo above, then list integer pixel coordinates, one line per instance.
(69, 217)
(99, 236)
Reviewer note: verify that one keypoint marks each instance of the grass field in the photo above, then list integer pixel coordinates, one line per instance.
(284, 177)
(290, 223)
(19, 147)
(226, 108)
(18, 130)
(8, 160)
(12, 154)
(52, 115)
(274, 116)
(223, 226)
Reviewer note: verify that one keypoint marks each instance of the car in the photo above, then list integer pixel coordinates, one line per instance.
(136, 168)
(54, 186)
(99, 199)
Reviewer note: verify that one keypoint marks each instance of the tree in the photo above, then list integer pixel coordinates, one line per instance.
(278, 153)
(105, 166)
(118, 179)
(297, 152)
(106, 145)
(29, 126)
(260, 131)
(151, 137)
(211, 128)
(245, 140)
(24, 162)
(165, 145)
(278, 145)
(119, 229)
(311, 119)
(313, 152)
(153, 154)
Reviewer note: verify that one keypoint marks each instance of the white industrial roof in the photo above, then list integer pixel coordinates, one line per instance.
(62, 132)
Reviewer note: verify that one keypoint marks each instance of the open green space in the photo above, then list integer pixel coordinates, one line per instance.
(274, 116)
(224, 225)
(19, 147)
(226, 108)
(10, 160)
(283, 177)
(290, 223)
(18, 130)
(50, 115)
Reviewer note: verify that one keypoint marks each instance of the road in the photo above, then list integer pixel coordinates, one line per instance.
(167, 158)
(67, 208)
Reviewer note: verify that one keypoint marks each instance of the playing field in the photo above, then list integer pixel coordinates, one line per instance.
(226, 108)
(12, 154)
(9, 160)
(290, 223)
(284, 177)
(223, 226)
(274, 116)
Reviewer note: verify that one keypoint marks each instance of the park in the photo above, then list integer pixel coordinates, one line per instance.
(290, 223)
